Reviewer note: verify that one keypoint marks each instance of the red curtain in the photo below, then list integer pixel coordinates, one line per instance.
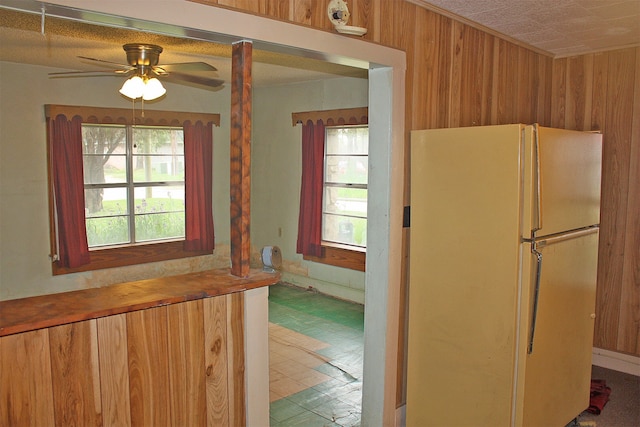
(198, 153)
(310, 216)
(68, 183)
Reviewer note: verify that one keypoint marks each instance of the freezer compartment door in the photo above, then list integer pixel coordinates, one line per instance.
(558, 369)
(568, 168)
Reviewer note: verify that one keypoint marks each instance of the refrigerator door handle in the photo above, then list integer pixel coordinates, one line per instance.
(537, 214)
(568, 235)
(536, 294)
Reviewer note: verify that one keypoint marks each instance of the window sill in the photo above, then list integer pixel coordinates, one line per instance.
(131, 255)
(341, 257)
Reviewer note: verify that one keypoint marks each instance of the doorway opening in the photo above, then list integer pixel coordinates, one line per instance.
(386, 68)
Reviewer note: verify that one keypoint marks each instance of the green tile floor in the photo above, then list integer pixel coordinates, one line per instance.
(336, 402)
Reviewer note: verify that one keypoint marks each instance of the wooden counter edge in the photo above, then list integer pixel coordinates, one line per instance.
(43, 311)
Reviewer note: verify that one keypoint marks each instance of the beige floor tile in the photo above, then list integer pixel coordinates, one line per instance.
(313, 378)
(273, 396)
(311, 360)
(290, 368)
(275, 375)
(287, 336)
(275, 358)
(286, 386)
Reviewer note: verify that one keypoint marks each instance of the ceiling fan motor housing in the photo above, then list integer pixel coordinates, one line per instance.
(142, 56)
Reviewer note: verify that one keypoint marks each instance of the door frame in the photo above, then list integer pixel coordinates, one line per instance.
(387, 67)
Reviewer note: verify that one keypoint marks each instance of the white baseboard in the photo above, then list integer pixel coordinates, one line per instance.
(617, 361)
(344, 292)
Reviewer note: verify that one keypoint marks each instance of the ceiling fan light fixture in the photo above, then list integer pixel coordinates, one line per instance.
(142, 87)
(133, 88)
(153, 89)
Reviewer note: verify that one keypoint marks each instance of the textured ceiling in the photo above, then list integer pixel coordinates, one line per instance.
(559, 27)
(63, 41)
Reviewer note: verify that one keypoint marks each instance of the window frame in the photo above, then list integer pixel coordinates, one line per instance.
(129, 254)
(129, 185)
(326, 184)
(335, 254)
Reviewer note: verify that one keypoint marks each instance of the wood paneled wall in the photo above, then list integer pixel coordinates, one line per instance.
(458, 75)
(181, 364)
(602, 92)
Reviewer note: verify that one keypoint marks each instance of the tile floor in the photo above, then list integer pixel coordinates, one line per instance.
(316, 347)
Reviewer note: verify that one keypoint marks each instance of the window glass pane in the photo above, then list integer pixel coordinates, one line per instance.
(106, 216)
(159, 212)
(105, 202)
(160, 198)
(158, 225)
(108, 231)
(346, 169)
(347, 140)
(104, 154)
(343, 229)
(345, 201)
(158, 155)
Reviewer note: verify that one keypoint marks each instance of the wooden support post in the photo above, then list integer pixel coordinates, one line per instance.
(240, 157)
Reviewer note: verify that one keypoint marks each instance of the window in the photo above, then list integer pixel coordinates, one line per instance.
(122, 194)
(344, 213)
(332, 219)
(133, 184)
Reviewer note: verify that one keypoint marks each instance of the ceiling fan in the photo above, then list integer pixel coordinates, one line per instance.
(143, 67)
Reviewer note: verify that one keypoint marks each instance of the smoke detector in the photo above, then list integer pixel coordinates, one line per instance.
(339, 16)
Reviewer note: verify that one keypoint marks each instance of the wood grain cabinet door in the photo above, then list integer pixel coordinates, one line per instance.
(174, 365)
(25, 380)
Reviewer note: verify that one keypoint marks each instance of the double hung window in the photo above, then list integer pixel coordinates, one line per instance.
(332, 221)
(124, 193)
(133, 184)
(344, 213)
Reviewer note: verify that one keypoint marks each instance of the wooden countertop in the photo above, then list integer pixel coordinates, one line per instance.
(26, 314)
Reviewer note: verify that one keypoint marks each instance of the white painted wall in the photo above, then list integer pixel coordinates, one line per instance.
(25, 268)
(276, 177)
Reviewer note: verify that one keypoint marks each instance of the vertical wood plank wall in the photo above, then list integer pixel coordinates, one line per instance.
(601, 91)
(170, 365)
(461, 76)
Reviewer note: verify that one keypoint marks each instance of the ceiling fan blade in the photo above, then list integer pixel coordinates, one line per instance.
(185, 67)
(94, 73)
(192, 78)
(102, 61)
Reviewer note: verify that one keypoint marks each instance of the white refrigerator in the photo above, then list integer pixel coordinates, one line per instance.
(503, 259)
